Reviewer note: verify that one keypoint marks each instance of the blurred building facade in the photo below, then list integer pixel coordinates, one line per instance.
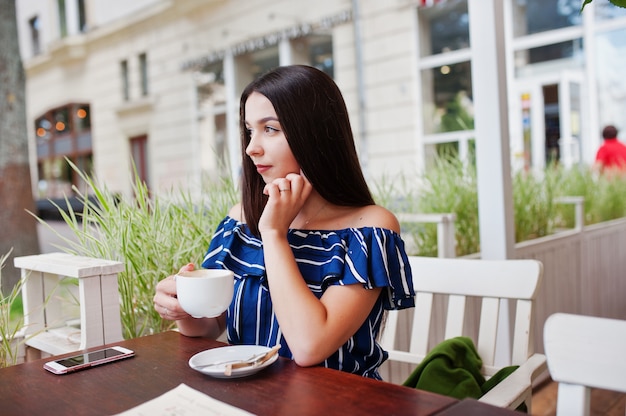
(156, 83)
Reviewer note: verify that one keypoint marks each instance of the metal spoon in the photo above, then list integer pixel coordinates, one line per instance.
(250, 359)
(252, 363)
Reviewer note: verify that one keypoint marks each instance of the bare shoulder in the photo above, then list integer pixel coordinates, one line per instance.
(376, 216)
(236, 212)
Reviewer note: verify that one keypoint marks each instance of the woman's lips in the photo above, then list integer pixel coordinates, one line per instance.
(262, 168)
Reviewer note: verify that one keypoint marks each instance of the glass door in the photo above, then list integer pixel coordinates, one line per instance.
(570, 118)
(546, 120)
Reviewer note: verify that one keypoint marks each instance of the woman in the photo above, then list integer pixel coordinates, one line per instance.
(316, 262)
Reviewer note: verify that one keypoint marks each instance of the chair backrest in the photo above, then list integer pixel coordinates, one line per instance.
(583, 352)
(489, 280)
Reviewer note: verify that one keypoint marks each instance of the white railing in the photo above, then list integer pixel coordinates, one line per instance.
(446, 241)
(579, 209)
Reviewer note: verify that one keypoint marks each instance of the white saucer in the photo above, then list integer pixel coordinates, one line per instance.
(230, 353)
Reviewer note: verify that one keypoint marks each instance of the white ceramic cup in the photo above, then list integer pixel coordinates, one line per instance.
(205, 292)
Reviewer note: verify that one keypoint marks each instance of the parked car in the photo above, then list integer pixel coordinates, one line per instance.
(49, 209)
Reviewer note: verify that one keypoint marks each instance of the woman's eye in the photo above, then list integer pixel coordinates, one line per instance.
(270, 129)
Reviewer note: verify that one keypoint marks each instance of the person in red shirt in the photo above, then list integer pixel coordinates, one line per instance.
(612, 153)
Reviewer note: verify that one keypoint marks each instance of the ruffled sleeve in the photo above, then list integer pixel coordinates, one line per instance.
(372, 257)
(387, 266)
(234, 248)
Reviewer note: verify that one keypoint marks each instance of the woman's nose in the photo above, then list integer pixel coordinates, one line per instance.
(253, 147)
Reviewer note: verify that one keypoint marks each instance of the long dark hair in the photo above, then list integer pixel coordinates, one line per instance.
(314, 119)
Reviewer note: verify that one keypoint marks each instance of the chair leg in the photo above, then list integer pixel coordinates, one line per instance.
(573, 400)
(528, 402)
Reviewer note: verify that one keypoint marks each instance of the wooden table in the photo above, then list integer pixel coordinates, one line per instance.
(160, 365)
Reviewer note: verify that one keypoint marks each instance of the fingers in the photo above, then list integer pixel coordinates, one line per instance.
(300, 185)
(278, 187)
(169, 308)
(189, 267)
(286, 198)
(170, 313)
(292, 186)
(165, 302)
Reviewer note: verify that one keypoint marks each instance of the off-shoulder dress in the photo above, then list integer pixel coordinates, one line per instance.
(369, 256)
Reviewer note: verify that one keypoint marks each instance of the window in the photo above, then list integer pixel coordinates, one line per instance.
(63, 132)
(61, 120)
(254, 64)
(536, 16)
(263, 61)
(212, 131)
(446, 84)
(552, 52)
(610, 48)
(321, 53)
(139, 154)
(444, 27)
(143, 73)
(85, 164)
(34, 35)
(62, 18)
(447, 95)
(82, 16)
(124, 77)
(83, 118)
(446, 80)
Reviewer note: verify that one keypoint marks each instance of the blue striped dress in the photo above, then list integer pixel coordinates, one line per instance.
(371, 257)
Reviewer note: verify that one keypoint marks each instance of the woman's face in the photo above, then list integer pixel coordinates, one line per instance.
(268, 148)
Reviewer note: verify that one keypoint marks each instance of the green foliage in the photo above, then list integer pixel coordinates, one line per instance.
(450, 187)
(611, 202)
(398, 194)
(10, 321)
(456, 116)
(152, 236)
(618, 3)
(605, 195)
(533, 205)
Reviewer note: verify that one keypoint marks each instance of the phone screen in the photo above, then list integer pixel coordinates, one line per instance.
(89, 357)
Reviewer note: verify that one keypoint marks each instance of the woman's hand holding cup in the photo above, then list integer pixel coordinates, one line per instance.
(166, 297)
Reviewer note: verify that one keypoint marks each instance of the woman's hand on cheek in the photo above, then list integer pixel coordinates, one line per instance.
(286, 197)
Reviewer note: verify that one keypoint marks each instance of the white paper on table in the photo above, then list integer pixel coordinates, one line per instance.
(184, 401)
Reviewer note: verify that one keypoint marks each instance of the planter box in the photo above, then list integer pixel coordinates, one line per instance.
(584, 272)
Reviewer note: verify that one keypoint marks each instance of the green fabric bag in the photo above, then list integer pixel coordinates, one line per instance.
(452, 369)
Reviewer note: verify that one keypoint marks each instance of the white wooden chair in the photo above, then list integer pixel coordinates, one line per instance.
(488, 282)
(584, 352)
